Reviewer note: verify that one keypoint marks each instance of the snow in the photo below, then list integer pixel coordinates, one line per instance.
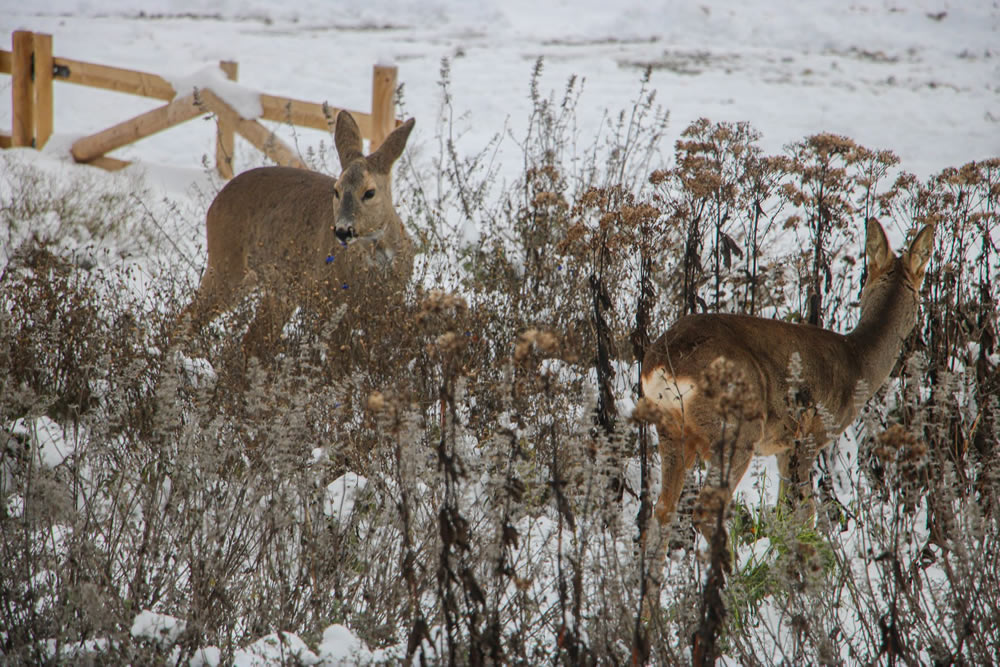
(158, 627)
(889, 75)
(206, 657)
(341, 647)
(275, 649)
(51, 444)
(244, 101)
(341, 496)
(756, 554)
(919, 77)
(198, 372)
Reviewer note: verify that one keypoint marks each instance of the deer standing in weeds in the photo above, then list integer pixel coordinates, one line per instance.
(717, 386)
(297, 233)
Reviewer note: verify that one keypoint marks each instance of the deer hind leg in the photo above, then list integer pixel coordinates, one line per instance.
(678, 452)
(729, 458)
(678, 445)
(193, 316)
(680, 439)
(675, 461)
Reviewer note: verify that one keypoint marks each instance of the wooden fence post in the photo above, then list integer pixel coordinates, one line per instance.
(43, 89)
(22, 90)
(252, 131)
(383, 104)
(225, 141)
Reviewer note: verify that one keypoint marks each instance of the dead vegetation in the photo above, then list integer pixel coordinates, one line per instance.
(505, 484)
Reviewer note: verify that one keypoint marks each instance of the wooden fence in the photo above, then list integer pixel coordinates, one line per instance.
(34, 69)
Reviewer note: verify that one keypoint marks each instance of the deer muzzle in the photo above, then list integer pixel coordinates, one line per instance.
(344, 233)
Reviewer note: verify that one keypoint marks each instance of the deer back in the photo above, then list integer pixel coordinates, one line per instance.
(274, 221)
(760, 350)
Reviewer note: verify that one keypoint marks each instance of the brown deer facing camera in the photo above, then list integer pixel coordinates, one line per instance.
(752, 357)
(297, 233)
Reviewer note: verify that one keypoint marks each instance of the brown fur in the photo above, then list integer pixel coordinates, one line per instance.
(693, 419)
(294, 233)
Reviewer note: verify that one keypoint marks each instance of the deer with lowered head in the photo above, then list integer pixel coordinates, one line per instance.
(296, 233)
(774, 415)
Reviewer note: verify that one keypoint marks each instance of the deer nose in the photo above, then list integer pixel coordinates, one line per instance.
(343, 233)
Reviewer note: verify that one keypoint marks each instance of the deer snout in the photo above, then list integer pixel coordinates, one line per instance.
(344, 233)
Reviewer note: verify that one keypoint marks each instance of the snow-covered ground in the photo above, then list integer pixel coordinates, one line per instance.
(919, 77)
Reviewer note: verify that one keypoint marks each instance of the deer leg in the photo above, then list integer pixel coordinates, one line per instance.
(677, 455)
(729, 460)
(679, 448)
(672, 472)
(795, 489)
(264, 331)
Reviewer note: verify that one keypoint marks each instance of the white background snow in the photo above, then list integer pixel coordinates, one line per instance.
(919, 77)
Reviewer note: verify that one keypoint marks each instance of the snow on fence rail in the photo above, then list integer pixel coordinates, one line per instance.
(34, 69)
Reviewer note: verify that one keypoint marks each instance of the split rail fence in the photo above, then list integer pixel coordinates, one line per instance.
(34, 70)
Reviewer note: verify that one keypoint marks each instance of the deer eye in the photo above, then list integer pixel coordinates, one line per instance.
(336, 193)
(368, 194)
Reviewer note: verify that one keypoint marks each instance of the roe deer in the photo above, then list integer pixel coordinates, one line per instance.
(837, 371)
(298, 233)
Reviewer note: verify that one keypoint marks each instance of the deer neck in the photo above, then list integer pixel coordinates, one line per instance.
(383, 246)
(387, 243)
(888, 314)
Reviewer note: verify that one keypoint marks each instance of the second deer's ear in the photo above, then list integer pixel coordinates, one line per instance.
(919, 252)
(390, 150)
(877, 246)
(347, 137)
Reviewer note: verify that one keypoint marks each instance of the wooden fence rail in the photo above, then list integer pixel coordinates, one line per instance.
(34, 69)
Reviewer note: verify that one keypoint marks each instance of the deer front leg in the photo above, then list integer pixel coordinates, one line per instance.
(263, 334)
(795, 488)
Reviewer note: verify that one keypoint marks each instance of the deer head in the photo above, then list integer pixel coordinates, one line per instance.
(363, 194)
(889, 299)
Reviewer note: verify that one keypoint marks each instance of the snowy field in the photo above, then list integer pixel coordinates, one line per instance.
(918, 77)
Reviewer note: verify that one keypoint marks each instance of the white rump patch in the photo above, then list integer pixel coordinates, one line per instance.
(667, 391)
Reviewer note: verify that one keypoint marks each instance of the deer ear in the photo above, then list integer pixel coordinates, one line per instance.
(347, 137)
(390, 150)
(877, 246)
(919, 253)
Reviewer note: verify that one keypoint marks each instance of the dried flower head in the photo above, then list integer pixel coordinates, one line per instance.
(439, 304)
(376, 401)
(538, 343)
